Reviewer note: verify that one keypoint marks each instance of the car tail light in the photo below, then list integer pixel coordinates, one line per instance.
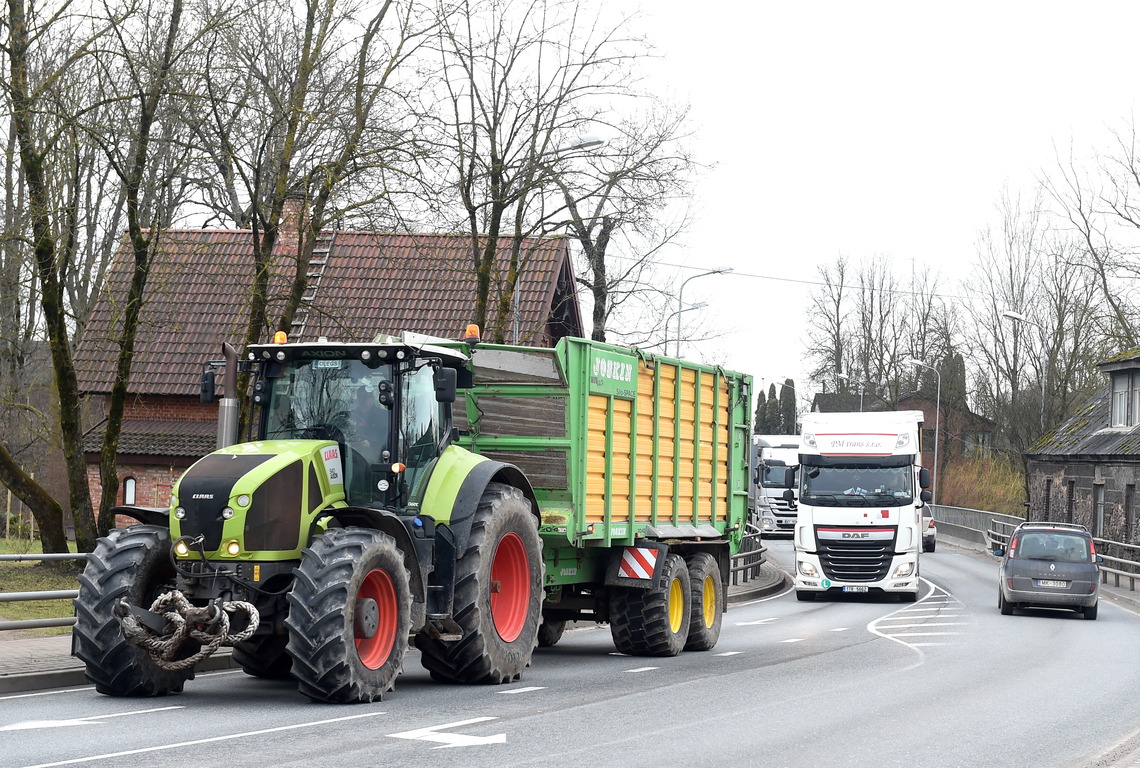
(1092, 548)
(931, 525)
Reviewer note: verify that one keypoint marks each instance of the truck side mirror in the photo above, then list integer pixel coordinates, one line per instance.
(789, 477)
(924, 497)
(444, 380)
(923, 478)
(789, 495)
(207, 392)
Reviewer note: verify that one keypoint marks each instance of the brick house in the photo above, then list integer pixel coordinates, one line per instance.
(360, 284)
(1086, 471)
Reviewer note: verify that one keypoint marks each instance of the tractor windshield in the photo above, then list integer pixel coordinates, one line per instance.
(334, 400)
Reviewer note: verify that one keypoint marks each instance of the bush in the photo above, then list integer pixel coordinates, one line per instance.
(992, 484)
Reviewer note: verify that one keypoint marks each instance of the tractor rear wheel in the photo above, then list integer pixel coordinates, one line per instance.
(350, 613)
(131, 564)
(264, 656)
(707, 600)
(653, 622)
(550, 632)
(498, 595)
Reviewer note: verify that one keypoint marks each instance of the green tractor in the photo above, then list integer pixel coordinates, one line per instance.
(351, 525)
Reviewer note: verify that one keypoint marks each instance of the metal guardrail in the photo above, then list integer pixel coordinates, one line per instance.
(1125, 558)
(55, 594)
(745, 564)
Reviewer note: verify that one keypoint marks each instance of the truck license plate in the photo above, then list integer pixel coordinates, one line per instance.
(1052, 583)
(855, 589)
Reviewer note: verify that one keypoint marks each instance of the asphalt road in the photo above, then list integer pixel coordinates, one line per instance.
(946, 681)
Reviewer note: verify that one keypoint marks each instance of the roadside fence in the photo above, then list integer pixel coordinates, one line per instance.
(55, 594)
(1121, 560)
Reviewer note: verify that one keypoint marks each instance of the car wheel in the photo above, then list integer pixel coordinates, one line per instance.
(1004, 605)
(1090, 612)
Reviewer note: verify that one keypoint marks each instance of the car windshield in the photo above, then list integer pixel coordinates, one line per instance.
(1049, 545)
(856, 486)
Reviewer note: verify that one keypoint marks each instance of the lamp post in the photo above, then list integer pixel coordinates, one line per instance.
(937, 421)
(681, 305)
(583, 142)
(1020, 318)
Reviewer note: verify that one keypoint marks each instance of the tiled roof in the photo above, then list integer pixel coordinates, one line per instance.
(1087, 433)
(372, 283)
(159, 438)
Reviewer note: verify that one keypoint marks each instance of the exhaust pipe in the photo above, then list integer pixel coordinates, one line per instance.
(228, 406)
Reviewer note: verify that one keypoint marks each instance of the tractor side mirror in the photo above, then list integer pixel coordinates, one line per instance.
(444, 380)
(208, 387)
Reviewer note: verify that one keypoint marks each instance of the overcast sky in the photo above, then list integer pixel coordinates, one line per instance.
(863, 129)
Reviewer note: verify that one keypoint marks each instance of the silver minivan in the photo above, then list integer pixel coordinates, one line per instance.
(1049, 565)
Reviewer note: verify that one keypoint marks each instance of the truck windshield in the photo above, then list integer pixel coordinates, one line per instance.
(331, 400)
(856, 486)
(773, 476)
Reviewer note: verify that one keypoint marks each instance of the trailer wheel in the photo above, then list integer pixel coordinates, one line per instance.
(653, 622)
(498, 596)
(707, 599)
(264, 656)
(131, 564)
(550, 632)
(349, 616)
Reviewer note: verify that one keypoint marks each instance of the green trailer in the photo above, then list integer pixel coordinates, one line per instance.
(468, 498)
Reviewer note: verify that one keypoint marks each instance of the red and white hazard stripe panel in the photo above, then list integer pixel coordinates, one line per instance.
(637, 563)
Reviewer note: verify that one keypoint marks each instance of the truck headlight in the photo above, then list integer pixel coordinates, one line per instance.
(904, 570)
(807, 569)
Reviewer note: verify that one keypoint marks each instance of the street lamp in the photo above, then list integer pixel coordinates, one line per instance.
(681, 305)
(937, 420)
(1020, 318)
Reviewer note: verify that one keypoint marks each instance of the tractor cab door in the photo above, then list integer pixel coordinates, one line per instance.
(422, 430)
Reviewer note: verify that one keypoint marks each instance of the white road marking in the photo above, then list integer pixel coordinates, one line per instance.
(757, 622)
(31, 725)
(925, 634)
(793, 640)
(839, 629)
(182, 744)
(432, 733)
(927, 624)
(728, 653)
(528, 689)
(642, 669)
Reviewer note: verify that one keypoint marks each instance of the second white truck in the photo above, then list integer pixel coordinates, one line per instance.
(861, 491)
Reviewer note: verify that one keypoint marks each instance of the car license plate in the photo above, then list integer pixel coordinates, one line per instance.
(855, 589)
(1052, 583)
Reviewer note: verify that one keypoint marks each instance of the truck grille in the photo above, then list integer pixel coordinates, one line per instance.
(855, 554)
(781, 505)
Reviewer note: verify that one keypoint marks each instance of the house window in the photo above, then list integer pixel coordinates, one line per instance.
(1129, 495)
(1069, 501)
(1125, 399)
(129, 486)
(1048, 498)
(1098, 507)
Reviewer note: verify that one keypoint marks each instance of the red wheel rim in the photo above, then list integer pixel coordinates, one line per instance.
(374, 651)
(510, 590)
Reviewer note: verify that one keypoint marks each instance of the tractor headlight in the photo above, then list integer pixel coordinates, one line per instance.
(243, 500)
(227, 513)
(180, 513)
(181, 549)
(233, 548)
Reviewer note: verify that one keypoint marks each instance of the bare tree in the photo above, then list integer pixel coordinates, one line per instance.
(828, 314)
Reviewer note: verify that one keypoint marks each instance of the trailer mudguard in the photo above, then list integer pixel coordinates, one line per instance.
(147, 515)
(639, 566)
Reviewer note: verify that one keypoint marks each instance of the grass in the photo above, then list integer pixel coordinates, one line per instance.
(35, 576)
(993, 484)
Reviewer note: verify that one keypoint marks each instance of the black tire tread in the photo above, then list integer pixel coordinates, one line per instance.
(639, 618)
(131, 564)
(550, 632)
(480, 655)
(320, 622)
(702, 637)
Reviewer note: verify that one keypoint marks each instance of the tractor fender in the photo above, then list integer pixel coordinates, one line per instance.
(457, 484)
(148, 515)
(416, 550)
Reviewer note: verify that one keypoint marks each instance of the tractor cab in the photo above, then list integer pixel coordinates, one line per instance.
(387, 406)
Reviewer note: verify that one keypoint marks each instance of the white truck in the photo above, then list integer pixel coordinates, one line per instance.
(861, 491)
(775, 454)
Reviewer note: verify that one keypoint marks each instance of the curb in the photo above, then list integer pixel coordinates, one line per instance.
(21, 682)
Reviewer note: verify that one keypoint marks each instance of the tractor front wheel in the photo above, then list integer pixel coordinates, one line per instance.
(498, 595)
(653, 622)
(131, 564)
(350, 613)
